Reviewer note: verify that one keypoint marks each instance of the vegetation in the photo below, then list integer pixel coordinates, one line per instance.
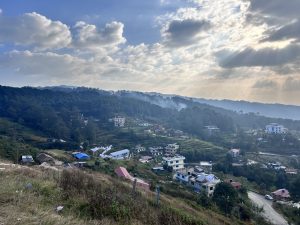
(89, 199)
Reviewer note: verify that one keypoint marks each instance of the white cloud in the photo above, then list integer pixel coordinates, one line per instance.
(91, 37)
(33, 29)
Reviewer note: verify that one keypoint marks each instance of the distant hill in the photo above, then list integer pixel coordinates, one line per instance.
(269, 110)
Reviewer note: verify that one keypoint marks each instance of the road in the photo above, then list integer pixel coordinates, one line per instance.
(269, 213)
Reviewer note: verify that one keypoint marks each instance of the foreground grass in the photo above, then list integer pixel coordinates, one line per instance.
(89, 199)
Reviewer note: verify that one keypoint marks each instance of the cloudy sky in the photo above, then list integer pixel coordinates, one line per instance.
(220, 49)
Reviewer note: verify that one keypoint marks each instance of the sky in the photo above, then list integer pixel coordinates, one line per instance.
(217, 49)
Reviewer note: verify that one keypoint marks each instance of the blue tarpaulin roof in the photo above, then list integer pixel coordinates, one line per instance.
(81, 156)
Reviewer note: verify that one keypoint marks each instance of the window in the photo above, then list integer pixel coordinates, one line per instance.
(211, 188)
(177, 166)
(177, 161)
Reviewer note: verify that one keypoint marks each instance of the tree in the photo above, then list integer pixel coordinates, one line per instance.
(294, 189)
(226, 197)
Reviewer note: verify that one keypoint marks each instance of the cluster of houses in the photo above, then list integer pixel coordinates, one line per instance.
(198, 178)
(275, 128)
(118, 121)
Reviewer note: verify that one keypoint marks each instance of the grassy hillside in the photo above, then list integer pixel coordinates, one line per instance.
(90, 199)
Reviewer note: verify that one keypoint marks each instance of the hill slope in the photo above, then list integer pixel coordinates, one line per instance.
(90, 199)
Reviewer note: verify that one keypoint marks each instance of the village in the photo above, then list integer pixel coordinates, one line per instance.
(168, 164)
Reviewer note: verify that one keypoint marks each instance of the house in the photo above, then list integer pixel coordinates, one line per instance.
(158, 169)
(176, 162)
(95, 150)
(275, 128)
(120, 155)
(211, 129)
(171, 149)
(198, 180)
(27, 159)
(281, 194)
(291, 171)
(43, 157)
(235, 185)
(183, 176)
(206, 166)
(156, 151)
(139, 149)
(275, 166)
(145, 159)
(122, 172)
(119, 121)
(234, 152)
(81, 156)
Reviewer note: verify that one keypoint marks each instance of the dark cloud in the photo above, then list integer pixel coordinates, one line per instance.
(291, 31)
(262, 57)
(277, 8)
(184, 32)
(265, 84)
(291, 84)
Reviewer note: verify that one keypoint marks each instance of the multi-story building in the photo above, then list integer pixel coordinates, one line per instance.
(176, 162)
(171, 149)
(119, 121)
(197, 179)
(156, 151)
(275, 128)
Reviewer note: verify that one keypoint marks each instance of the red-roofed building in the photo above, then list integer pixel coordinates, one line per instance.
(281, 194)
(122, 172)
(235, 185)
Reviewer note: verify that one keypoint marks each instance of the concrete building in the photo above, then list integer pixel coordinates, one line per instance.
(176, 162)
(120, 155)
(119, 121)
(171, 149)
(234, 152)
(198, 180)
(275, 128)
(211, 129)
(206, 166)
(156, 151)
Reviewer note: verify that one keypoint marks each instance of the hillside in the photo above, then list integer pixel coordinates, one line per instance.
(268, 110)
(31, 195)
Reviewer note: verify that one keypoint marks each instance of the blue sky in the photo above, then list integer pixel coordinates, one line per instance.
(138, 16)
(234, 49)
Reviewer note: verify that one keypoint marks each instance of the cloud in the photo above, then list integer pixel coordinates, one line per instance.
(276, 8)
(184, 32)
(262, 57)
(291, 84)
(265, 84)
(290, 31)
(35, 30)
(89, 36)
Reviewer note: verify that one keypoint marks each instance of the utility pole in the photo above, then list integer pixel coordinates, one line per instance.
(157, 195)
(134, 187)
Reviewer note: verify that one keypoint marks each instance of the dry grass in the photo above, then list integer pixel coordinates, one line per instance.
(19, 205)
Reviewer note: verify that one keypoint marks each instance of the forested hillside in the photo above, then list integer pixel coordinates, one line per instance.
(60, 113)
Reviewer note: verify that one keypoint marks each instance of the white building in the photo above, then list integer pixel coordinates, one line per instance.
(206, 166)
(119, 155)
(211, 129)
(176, 162)
(139, 148)
(275, 128)
(119, 121)
(171, 149)
(234, 152)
